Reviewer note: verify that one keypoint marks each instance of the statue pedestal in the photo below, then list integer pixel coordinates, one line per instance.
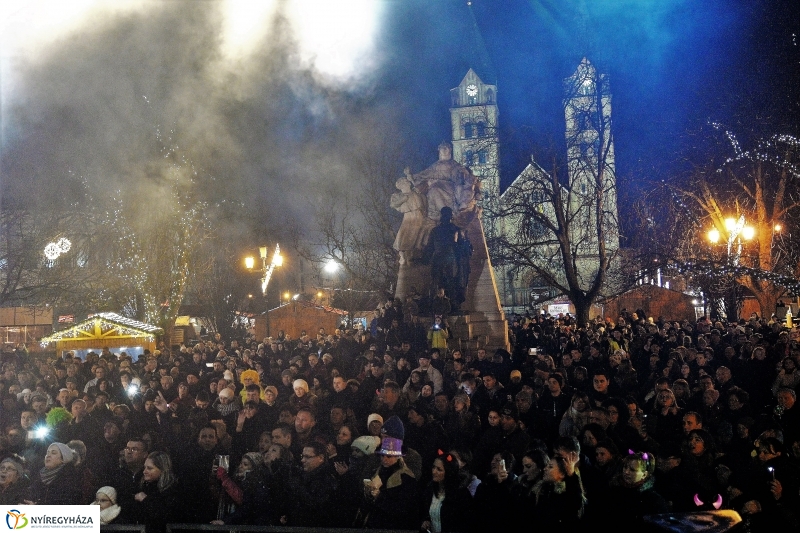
(484, 324)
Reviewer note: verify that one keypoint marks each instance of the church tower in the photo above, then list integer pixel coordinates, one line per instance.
(473, 117)
(590, 162)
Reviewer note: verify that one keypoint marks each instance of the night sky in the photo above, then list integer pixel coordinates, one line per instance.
(271, 132)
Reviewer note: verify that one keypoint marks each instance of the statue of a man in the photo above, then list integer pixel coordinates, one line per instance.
(444, 258)
(447, 183)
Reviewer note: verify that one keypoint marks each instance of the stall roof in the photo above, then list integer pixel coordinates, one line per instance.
(104, 326)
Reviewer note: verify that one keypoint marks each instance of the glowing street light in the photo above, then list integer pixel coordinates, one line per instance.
(735, 232)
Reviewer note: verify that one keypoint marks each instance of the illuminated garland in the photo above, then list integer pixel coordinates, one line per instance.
(790, 283)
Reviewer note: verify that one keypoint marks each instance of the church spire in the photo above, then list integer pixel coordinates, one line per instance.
(478, 55)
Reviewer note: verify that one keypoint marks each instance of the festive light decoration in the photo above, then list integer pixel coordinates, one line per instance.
(54, 249)
(122, 325)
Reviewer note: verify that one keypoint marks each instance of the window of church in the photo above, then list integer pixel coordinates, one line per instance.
(469, 158)
(468, 130)
(482, 157)
(481, 129)
(489, 96)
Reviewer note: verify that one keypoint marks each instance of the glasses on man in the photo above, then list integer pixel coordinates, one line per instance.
(304, 456)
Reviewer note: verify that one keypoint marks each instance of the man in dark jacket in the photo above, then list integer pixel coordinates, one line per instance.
(312, 491)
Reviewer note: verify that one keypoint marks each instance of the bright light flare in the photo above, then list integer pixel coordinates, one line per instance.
(249, 262)
(336, 38)
(245, 24)
(748, 232)
(730, 224)
(54, 249)
(778, 228)
(331, 267)
(713, 236)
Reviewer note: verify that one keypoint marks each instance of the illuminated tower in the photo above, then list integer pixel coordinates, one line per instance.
(473, 118)
(590, 160)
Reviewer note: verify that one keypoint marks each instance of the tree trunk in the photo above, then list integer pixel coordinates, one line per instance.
(582, 307)
(767, 295)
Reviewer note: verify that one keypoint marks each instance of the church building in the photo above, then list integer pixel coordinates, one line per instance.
(589, 191)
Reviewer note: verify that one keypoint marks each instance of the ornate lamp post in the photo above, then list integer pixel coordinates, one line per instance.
(736, 231)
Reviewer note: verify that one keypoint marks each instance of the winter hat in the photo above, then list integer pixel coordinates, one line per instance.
(226, 393)
(67, 455)
(228, 375)
(273, 389)
(366, 444)
(373, 417)
(251, 374)
(393, 433)
(109, 492)
(255, 458)
(510, 410)
(300, 383)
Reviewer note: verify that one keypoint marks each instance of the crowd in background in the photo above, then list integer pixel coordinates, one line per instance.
(398, 425)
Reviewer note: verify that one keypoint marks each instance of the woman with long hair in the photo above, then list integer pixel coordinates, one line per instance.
(158, 500)
(576, 416)
(445, 503)
(664, 423)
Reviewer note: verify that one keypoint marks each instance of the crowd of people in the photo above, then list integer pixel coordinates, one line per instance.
(394, 427)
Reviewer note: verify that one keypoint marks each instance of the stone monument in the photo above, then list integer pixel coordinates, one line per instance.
(441, 243)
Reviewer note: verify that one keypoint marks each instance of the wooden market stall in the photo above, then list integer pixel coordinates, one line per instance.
(105, 330)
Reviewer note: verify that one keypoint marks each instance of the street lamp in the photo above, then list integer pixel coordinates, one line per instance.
(735, 231)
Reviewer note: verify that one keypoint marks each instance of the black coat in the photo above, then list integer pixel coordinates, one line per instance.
(65, 489)
(158, 509)
(311, 495)
(456, 513)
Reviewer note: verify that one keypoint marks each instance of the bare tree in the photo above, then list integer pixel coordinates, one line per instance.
(27, 275)
(564, 230)
(758, 188)
(355, 228)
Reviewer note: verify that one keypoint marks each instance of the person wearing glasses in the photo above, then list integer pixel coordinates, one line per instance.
(106, 498)
(13, 481)
(312, 490)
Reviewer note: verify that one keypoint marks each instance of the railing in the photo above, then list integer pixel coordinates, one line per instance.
(127, 528)
(186, 528)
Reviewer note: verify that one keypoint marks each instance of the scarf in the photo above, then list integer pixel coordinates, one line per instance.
(48, 475)
(108, 514)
